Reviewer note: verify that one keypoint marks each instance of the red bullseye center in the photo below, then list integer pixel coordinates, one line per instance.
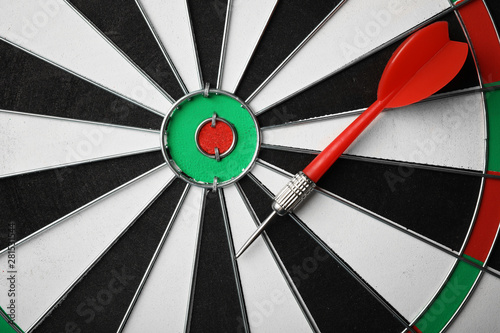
(221, 136)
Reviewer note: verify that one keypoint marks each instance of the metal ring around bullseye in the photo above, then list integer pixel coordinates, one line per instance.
(218, 157)
(206, 90)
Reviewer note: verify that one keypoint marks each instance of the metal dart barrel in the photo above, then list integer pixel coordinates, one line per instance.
(290, 196)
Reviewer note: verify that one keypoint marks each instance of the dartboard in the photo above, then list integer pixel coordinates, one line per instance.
(142, 143)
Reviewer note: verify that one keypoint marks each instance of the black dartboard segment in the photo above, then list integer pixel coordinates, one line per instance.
(494, 9)
(101, 299)
(494, 260)
(325, 286)
(122, 22)
(208, 18)
(29, 84)
(215, 306)
(36, 199)
(281, 38)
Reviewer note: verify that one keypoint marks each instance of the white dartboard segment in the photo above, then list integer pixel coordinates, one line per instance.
(163, 303)
(247, 24)
(446, 132)
(55, 259)
(31, 142)
(402, 269)
(480, 313)
(172, 26)
(355, 30)
(270, 304)
(55, 32)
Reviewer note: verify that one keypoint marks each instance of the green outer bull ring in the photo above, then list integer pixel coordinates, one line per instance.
(179, 146)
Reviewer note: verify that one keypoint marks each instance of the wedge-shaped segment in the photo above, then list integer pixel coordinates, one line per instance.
(270, 304)
(446, 132)
(32, 143)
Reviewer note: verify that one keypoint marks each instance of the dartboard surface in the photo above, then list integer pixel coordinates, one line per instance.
(142, 143)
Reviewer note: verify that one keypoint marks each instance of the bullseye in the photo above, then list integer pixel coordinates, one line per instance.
(215, 137)
(210, 138)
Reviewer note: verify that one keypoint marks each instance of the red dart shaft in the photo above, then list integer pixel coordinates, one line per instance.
(317, 168)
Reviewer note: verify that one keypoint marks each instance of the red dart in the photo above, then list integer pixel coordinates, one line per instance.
(424, 63)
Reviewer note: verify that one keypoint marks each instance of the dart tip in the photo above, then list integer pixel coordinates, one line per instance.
(249, 242)
(256, 234)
